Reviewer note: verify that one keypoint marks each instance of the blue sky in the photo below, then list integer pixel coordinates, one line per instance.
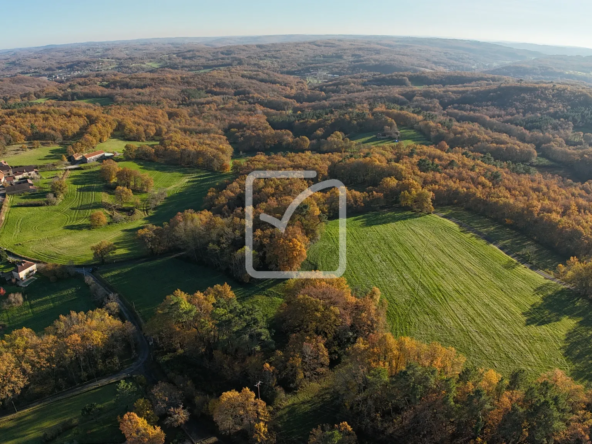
(42, 22)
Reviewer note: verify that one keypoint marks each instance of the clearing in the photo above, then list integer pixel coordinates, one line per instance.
(34, 156)
(443, 284)
(146, 284)
(61, 233)
(408, 136)
(44, 302)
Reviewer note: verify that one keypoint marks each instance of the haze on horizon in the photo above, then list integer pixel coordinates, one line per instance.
(546, 22)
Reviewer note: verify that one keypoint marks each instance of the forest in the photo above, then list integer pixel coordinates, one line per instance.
(225, 110)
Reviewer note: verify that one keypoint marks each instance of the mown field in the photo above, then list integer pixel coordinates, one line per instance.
(62, 234)
(446, 285)
(408, 136)
(118, 145)
(34, 156)
(508, 239)
(44, 302)
(28, 428)
(146, 284)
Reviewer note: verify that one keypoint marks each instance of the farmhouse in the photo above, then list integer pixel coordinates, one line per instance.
(25, 172)
(93, 157)
(24, 271)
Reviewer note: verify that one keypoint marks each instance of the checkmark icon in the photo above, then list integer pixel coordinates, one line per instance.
(283, 223)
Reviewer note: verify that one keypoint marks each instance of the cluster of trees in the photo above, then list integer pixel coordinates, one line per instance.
(230, 344)
(126, 177)
(74, 349)
(390, 389)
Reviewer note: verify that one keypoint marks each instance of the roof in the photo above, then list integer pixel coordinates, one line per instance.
(23, 169)
(77, 156)
(9, 178)
(24, 266)
(95, 154)
(20, 187)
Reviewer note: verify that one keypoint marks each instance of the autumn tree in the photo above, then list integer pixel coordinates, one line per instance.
(287, 250)
(137, 430)
(109, 169)
(176, 416)
(98, 219)
(103, 250)
(239, 411)
(59, 187)
(154, 238)
(339, 434)
(143, 408)
(578, 274)
(123, 195)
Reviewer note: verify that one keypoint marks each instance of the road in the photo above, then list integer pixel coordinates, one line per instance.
(137, 366)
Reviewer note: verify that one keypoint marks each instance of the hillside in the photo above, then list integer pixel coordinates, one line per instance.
(448, 286)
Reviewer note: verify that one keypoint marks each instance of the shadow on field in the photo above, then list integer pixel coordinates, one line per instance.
(557, 304)
(386, 217)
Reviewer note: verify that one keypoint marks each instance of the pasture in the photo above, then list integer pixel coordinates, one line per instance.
(34, 156)
(28, 428)
(408, 136)
(449, 286)
(146, 284)
(62, 233)
(118, 145)
(44, 302)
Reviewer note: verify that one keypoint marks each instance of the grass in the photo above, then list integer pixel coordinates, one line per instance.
(304, 410)
(34, 156)
(28, 428)
(408, 136)
(61, 233)
(446, 285)
(103, 101)
(119, 144)
(44, 302)
(146, 284)
(508, 239)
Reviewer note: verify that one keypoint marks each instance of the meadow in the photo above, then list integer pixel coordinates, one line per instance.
(408, 136)
(34, 156)
(28, 428)
(44, 302)
(146, 284)
(62, 233)
(449, 286)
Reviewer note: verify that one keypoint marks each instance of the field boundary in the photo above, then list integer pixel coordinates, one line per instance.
(489, 240)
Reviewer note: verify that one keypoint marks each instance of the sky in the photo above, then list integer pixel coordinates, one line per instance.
(27, 23)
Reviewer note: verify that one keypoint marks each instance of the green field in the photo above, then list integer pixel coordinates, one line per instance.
(44, 302)
(508, 239)
(408, 136)
(62, 234)
(146, 284)
(119, 144)
(34, 156)
(445, 285)
(103, 101)
(28, 428)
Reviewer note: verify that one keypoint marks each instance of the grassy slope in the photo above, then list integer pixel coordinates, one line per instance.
(61, 233)
(146, 284)
(34, 156)
(44, 302)
(507, 238)
(29, 428)
(448, 286)
(118, 145)
(408, 136)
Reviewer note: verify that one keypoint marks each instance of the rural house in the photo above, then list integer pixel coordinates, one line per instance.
(24, 271)
(93, 157)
